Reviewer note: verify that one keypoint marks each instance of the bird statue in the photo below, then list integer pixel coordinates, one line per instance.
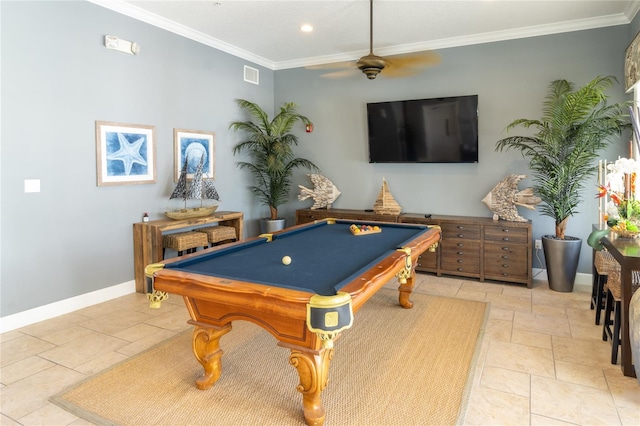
(324, 192)
(505, 197)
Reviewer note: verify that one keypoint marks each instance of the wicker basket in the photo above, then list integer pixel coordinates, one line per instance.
(182, 241)
(625, 234)
(605, 263)
(216, 234)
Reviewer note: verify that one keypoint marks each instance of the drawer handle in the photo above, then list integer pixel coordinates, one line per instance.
(505, 239)
(460, 270)
(459, 244)
(505, 248)
(504, 265)
(505, 230)
(459, 252)
(460, 235)
(505, 257)
(459, 260)
(460, 227)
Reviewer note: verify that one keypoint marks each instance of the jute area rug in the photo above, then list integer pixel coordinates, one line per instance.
(393, 367)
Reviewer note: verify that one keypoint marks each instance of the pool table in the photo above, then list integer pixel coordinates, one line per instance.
(304, 304)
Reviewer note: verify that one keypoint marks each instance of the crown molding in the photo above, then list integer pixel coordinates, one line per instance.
(139, 14)
(489, 37)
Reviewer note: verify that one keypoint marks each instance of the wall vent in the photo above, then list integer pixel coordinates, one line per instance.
(251, 75)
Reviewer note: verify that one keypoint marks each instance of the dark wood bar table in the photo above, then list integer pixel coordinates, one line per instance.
(627, 252)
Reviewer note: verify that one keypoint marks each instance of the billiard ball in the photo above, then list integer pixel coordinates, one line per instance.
(286, 260)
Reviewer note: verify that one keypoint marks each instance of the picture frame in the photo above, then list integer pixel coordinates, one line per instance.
(125, 153)
(191, 145)
(632, 63)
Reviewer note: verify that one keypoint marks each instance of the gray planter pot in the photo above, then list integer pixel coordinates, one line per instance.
(562, 258)
(268, 226)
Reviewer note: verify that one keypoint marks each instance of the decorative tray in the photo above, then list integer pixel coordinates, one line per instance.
(624, 233)
(626, 229)
(364, 229)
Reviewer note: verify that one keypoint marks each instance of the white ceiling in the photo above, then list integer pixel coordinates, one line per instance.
(268, 32)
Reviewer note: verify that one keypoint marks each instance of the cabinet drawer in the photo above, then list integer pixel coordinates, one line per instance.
(505, 261)
(460, 248)
(428, 261)
(460, 230)
(306, 217)
(506, 234)
(460, 256)
(468, 265)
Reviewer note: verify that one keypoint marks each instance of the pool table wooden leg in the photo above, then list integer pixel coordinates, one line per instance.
(313, 369)
(206, 347)
(406, 289)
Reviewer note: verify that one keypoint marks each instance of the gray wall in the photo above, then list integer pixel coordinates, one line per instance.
(58, 79)
(510, 78)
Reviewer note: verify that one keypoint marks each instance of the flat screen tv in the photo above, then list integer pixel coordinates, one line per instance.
(438, 130)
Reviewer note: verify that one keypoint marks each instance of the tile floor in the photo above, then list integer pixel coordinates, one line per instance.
(542, 360)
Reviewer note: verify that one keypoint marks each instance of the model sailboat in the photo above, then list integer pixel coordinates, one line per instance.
(385, 203)
(199, 189)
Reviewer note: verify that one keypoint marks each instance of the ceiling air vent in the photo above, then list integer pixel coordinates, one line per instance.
(251, 75)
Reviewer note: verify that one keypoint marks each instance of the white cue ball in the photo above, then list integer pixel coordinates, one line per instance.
(286, 260)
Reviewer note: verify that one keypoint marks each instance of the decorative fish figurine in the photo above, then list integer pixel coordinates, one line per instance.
(324, 192)
(505, 197)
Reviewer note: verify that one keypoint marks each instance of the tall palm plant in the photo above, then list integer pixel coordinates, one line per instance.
(575, 126)
(270, 146)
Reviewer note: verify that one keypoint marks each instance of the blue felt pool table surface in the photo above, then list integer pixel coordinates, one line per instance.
(324, 256)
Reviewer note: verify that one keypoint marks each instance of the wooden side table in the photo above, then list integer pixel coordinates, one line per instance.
(147, 238)
(627, 252)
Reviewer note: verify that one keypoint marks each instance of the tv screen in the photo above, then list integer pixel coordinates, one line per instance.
(439, 130)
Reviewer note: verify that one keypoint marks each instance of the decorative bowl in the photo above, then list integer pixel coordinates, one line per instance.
(626, 234)
(621, 231)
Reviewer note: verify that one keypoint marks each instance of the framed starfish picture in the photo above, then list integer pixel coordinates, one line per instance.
(126, 153)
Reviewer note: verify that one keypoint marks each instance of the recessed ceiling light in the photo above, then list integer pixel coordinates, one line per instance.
(306, 28)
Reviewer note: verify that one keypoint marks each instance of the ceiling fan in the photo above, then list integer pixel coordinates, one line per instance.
(393, 66)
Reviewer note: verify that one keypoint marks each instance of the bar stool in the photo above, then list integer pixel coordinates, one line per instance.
(218, 234)
(184, 241)
(613, 307)
(603, 263)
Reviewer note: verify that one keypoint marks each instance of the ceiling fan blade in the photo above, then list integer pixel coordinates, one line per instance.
(371, 65)
(409, 64)
(419, 59)
(341, 74)
(400, 72)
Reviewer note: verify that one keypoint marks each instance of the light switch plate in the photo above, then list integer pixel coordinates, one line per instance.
(32, 185)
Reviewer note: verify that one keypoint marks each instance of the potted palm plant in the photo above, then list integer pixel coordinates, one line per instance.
(269, 144)
(575, 125)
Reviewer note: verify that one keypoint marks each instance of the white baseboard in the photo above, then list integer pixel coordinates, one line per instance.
(41, 313)
(582, 283)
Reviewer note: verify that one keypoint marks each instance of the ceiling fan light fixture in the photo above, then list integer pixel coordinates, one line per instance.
(371, 65)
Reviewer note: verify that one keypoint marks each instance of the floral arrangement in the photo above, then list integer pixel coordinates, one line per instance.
(624, 209)
(618, 180)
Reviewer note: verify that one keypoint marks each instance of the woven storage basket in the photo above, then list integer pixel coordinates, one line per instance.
(182, 241)
(614, 283)
(215, 234)
(605, 263)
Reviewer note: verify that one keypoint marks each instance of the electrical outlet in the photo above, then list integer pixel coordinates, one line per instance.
(538, 244)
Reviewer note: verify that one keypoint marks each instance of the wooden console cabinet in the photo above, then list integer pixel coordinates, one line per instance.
(147, 238)
(474, 247)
